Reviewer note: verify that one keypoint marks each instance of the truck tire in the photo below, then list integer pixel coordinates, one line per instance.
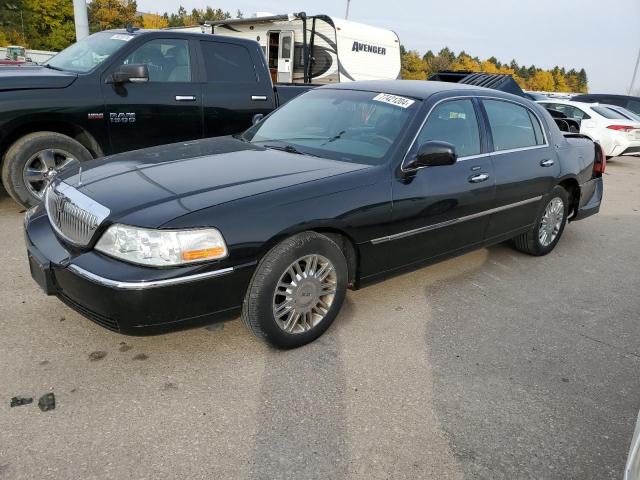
(549, 224)
(33, 160)
(296, 291)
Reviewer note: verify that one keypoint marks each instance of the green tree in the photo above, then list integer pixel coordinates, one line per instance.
(48, 24)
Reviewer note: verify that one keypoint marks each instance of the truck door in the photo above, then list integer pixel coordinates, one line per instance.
(165, 109)
(237, 86)
(285, 57)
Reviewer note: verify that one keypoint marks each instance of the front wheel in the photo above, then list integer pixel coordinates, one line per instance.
(33, 160)
(296, 291)
(548, 226)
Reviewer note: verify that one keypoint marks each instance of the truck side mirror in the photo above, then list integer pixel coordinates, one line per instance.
(134, 73)
(433, 154)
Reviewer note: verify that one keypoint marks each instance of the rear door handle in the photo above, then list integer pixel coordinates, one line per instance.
(259, 98)
(481, 177)
(547, 163)
(185, 98)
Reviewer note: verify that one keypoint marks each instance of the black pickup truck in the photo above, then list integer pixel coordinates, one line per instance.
(121, 90)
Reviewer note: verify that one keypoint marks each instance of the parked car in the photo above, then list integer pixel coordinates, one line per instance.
(632, 470)
(341, 187)
(624, 112)
(626, 101)
(535, 96)
(121, 90)
(617, 134)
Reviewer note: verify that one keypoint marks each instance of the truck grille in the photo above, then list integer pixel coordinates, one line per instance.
(73, 215)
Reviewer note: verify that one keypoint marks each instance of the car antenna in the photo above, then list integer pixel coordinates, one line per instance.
(130, 28)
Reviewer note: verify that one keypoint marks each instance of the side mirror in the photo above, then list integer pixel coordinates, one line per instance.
(433, 154)
(257, 118)
(135, 73)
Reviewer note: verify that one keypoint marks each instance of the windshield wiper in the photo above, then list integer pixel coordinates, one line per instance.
(289, 149)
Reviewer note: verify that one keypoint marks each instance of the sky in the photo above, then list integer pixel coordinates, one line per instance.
(601, 36)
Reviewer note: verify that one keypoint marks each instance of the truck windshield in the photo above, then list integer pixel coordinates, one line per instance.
(347, 125)
(87, 54)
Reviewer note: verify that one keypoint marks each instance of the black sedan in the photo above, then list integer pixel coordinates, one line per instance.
(341, 187)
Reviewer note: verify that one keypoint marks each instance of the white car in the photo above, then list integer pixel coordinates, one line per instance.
(632, 470)
(617, 134)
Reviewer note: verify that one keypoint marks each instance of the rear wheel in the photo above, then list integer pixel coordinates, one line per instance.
(32, 162)
(297, 291)
(547, 229)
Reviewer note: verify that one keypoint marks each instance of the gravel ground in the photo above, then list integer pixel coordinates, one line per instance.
(491, 365)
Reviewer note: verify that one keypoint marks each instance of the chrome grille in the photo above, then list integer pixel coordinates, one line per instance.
(73, 215)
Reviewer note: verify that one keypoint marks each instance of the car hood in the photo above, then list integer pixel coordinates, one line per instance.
(29, 77)
(153, 186)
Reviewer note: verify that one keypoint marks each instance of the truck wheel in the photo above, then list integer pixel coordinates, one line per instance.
(548, 226)
(296, 291)
(32, 162)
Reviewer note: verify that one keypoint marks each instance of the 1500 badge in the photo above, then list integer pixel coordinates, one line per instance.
(122, 117)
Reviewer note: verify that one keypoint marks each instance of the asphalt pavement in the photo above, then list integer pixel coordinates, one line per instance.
(492, 365)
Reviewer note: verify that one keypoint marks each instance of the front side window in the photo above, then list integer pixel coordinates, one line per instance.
(87, 54)
(347, 125)
(168, 60)
(455, 122)
(511, 125)
(226, 62)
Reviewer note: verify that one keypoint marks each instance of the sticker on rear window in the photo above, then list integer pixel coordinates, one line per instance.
(394, 100)
(120, 36)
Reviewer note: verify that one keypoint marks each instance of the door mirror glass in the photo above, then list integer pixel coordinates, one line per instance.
(134, 73)
(257, 118)
(434, 154)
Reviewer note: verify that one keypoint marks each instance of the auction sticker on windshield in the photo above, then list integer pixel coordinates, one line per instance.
(401, 102)
(119, 36)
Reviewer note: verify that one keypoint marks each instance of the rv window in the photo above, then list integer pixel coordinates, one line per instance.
(226, 62)
(298, 56)
(286, 47)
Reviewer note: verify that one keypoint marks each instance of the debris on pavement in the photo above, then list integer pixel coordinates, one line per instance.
(18, 401)
(47, 402)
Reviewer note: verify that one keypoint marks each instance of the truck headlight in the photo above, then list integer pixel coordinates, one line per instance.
(162, 248)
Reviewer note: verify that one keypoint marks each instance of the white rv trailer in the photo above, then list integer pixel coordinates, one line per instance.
(317, 49)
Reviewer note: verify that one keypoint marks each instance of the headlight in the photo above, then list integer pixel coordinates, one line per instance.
(162, 248)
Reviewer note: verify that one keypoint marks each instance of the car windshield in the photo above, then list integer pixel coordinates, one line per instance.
(608, 113)
(347, 125)
(87, 54)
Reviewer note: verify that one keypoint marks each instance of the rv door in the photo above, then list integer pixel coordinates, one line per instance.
(285, 57)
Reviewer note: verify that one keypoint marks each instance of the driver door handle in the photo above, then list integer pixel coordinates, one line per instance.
(481, 177)
(547, 163)
(185, 98)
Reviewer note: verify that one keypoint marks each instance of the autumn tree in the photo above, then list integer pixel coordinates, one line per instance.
(413, 66)
(154, 21)
(106, 14)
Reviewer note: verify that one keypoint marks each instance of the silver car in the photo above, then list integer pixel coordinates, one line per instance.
(632, 471)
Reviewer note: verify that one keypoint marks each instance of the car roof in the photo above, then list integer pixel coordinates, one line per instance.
(419, 89)
(600, 95)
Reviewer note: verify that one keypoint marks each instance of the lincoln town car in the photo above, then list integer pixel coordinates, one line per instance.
(342, 187)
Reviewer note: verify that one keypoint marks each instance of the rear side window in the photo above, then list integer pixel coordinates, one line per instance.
(511, 125)
(634, 106)
(226, 62)
(455, 122)
(609, 113)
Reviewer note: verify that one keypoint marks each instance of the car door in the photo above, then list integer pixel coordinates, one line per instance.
(525, 165)
(439, 210)
(233, 91)
(165, 109)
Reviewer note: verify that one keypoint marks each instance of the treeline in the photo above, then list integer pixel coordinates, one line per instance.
(49, 24)
(557, 79)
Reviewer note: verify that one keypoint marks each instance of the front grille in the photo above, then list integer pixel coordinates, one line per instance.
(101, 320)
(73, 215)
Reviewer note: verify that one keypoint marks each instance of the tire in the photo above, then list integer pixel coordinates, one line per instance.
(32, 149)
(531, 242)
(266, 297)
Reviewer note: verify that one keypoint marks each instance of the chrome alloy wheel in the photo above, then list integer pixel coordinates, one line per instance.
(42, 167)
(551, 221)
(304, 294)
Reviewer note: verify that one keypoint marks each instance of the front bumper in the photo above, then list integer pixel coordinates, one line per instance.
(590, 198)
(131, 299)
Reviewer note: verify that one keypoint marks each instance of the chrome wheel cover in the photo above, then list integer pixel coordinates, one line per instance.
(304, 294)
(42, 167)
(551, 221)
